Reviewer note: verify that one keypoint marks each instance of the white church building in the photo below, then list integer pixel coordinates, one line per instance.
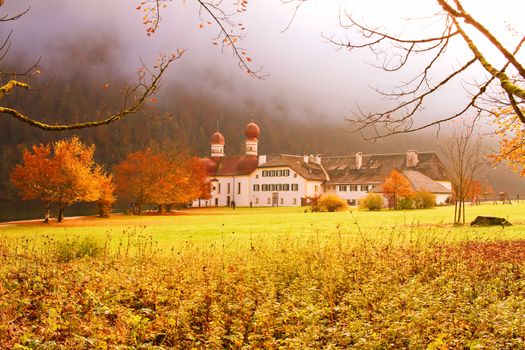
(288, 180)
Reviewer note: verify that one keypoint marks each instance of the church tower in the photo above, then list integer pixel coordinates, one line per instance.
(252, 132)
(217, 145)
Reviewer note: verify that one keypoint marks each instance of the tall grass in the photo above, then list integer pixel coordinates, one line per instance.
(311, 292)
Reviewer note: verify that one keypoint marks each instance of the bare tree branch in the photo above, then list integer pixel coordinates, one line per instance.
(149, 81)
(228, 35)
(7, 18)
(134, 99)
(462, 148)
(506, 84)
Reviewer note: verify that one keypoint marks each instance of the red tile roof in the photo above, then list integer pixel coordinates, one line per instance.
(232, 165)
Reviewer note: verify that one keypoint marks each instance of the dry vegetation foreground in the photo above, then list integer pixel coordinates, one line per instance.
(298, 290)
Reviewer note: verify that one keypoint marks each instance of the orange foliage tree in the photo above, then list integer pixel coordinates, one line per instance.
(136, 176)
(395, 187)
(201, 176)
(36, 176)
(512, 139)
(63, 173)
(107, 193)
(158, 178)
(475, 189)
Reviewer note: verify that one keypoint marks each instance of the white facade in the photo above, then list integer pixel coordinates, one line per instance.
(259, 189)
(228, 189)
(282, 186)
(279, 186)
(442, 198)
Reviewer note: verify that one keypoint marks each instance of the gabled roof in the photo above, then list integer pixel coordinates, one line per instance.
(231, 165)
(341, 170)
(376, 167)
(309, 171)
(421, 182)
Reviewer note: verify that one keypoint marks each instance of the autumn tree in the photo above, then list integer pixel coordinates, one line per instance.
(511, 135)
(107, 196)
(62, 173)
(78, 181)
(396, 187)
(150, 177)
(35, 177)
(475, 190)
(172, 183)
(199, 177)
(462, 148)
(185, 180)
(136, 177)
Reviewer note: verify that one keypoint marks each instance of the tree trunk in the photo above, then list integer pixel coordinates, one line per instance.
(61, 210)
(46, 212)
(395, 201)
(463, 211)
(459, 212)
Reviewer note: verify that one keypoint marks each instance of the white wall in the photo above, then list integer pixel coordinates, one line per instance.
(261, 198)
(241, 198)
(314, 188)
(285, 198)
(306, 188)
(441, 198)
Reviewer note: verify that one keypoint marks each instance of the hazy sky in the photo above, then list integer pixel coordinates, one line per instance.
(307, 74)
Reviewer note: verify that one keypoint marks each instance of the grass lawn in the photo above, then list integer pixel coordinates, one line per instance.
(242, 224)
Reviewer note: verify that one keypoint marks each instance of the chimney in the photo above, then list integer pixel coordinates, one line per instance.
(262, 160)
(305, 159)
(318, 159)
(358, 160)
(412, 159)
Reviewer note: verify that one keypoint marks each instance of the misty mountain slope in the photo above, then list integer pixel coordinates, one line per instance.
(183, 116)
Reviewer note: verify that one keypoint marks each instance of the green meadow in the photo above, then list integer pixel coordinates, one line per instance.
(242, 224)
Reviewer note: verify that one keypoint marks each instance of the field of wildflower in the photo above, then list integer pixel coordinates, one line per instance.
(272, 278)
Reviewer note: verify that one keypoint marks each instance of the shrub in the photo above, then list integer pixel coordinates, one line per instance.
(372, 201)
(331, 203)
(313, 202)
(405, 203)
(424, 200)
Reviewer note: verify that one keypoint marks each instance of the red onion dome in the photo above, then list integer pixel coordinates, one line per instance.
(217, 138)
(252, 131)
